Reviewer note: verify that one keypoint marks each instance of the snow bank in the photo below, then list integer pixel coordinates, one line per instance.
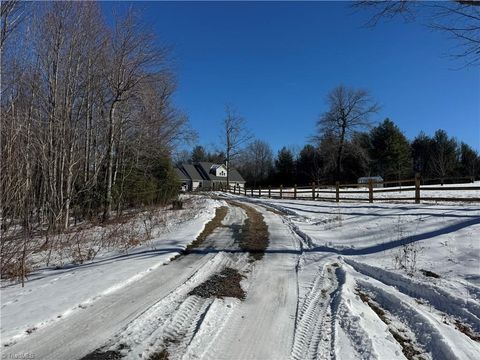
(51, 294)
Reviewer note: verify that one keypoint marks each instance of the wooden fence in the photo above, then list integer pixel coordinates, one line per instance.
(352, 192)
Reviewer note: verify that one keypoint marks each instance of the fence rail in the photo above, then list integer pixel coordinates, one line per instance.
(342, 192)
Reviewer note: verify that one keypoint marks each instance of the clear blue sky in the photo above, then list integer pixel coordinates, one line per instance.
(276, 61)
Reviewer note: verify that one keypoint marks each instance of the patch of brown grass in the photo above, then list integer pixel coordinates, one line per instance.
(254, 235)
(210, 227)
(378, 310)
(465, 329)
(159, 355)
(407, 348)
(224, 284)
(103, 355)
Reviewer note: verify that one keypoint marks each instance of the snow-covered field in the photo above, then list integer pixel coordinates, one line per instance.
(397, 192)
(340, 281)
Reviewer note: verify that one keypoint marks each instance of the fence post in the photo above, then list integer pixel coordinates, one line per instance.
(235, 189)
(295, 192)
(313, 190)
(417, 188)
(251, 192)
(281, 191)
(269, 191)
(245, 189)
(370, 190)
(337, 191)
(259, 191)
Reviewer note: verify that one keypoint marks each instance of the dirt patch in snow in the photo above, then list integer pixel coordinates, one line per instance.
(429, 273)
(467, 331)
(254, 235)
(103, 355)
(210, 227)
(159, 355)
(376, 309)
(224, 284)
(407, 348)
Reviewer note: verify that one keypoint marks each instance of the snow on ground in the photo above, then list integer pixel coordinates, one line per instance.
(338, 281)
(369, 242)
(403, 192)
(51, 294)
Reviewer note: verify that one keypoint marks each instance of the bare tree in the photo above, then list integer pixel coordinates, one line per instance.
(444, 151)
(257, 161)
(133, 53)
(11, 15)
(349, 110)
(84, 108)
(234, 136)
(459, 18)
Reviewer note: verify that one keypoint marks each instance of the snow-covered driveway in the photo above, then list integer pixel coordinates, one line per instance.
(328, 287)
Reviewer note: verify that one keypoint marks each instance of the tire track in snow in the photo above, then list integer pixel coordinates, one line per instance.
(345, 318)
(184, 324)
(400, 333)
(168, 318)
(467, 310)
(426, 332)
(312, 339)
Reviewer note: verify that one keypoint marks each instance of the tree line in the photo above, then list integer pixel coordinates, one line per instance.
(88, 124)
(347, 146)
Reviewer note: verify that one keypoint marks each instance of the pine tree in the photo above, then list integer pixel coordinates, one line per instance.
(390, 151)
(308, 165)
(421, 152)
(198, 154)
(285, 167)
(468, 161)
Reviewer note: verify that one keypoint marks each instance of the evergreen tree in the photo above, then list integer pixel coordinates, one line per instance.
(285, 167)
(421, 149)
(308, 165)
(390, 151)
(199, 154)
(468, 161)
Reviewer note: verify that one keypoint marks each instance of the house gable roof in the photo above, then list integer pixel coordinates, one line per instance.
(233, 176)
(201, 171)
(181, 175)
(192, 172)
(216, 166)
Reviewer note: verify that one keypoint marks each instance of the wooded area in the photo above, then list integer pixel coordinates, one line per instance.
(88, 124)
(368, 150)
